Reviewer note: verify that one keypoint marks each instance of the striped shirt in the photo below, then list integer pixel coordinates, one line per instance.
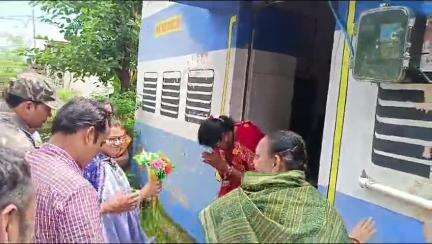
(67, 208)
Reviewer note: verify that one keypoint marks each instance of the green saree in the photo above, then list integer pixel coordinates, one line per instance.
(273, 208)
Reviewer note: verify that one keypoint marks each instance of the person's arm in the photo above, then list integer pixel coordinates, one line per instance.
(121, 203)
(231, 174)
(107, 207)
(427, 152)
(227, 172)
(363, 231)
(151, 189)
(80, 219)
(427, 231)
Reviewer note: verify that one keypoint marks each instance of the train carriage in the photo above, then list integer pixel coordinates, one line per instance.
(299, 65)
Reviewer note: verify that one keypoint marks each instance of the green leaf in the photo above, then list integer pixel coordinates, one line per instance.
(100, 37)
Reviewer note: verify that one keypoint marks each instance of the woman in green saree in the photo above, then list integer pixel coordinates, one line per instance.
(275, 204)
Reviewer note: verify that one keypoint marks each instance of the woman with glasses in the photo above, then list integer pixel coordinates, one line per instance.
(119, 202)
(122, 157)
(232, 148)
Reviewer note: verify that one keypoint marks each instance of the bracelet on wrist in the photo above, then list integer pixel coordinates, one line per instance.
(228, 172)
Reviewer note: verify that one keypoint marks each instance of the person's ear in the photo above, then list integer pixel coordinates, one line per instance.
(225, 137)
(27, 105)
(89, 135)
(6, 222)
(278, 164)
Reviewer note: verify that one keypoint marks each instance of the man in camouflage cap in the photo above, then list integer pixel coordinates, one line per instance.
(31, 99)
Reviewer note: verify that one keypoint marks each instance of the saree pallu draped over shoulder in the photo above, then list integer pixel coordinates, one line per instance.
(273, 208)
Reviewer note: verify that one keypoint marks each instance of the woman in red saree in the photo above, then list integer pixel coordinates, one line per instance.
(233, 147)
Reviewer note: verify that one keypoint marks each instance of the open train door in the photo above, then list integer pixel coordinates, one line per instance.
(288, 70)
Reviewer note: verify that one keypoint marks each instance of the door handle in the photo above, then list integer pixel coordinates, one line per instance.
(369, 184)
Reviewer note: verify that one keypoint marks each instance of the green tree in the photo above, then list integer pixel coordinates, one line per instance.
(12, 60)
(101, 39)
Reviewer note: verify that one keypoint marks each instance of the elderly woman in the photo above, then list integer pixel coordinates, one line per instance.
(275, 204)
(122, 156)
(119, 202)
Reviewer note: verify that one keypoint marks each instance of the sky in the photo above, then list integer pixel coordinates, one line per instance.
(16, 20)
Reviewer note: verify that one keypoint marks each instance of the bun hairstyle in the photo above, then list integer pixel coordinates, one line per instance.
(290, 147)
(115, 122)
(212, 129)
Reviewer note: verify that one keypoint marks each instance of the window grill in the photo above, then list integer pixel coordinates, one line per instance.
(149, 92)
(170, 94)
(199, 95)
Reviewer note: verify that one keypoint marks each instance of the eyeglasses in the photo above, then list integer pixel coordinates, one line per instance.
(118, 141)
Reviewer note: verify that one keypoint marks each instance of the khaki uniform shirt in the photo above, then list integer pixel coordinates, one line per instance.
(14, 133)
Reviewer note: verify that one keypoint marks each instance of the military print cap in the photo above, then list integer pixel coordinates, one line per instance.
(36, 90)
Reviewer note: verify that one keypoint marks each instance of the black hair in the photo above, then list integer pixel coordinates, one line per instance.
(80, 113)
(291, 147)
(211, 130)
(108, 102)
(15, 181)
(115, 122)
(13, 101)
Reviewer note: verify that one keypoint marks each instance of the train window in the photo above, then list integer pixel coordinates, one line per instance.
(149, 92)
(402, 131)
(170, 94)
(199, 95)
(383, 44)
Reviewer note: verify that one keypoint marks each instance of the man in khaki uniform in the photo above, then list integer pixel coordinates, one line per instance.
(31, 101)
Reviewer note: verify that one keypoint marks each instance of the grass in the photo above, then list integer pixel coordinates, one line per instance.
(156, 223)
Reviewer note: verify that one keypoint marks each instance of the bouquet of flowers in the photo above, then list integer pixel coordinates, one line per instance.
(158, 168)
(158, 165)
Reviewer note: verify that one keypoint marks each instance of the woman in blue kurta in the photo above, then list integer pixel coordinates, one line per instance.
(119, 202)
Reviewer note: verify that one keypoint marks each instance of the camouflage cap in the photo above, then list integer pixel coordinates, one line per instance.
(36, 90)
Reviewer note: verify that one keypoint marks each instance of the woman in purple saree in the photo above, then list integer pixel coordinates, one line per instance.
(119, 202)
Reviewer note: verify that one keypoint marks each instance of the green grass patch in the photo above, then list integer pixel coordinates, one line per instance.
(156, 223)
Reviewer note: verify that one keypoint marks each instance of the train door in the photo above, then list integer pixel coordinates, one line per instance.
(288, 71)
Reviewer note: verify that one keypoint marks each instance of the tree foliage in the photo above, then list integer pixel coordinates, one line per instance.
(101, 39)
(12, 60)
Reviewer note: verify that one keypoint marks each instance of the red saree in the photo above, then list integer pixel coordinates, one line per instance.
(246, 138)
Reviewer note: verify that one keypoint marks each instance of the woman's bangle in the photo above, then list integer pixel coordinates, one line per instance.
(228, 172)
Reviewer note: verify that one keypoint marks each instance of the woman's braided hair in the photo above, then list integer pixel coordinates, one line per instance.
(291, 147)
